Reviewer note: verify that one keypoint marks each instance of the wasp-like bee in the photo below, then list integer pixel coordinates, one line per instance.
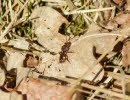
(64, 50)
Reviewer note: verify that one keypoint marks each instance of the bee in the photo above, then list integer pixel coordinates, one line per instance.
(64, 51)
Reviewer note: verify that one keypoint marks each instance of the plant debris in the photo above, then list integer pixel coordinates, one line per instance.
(36, 90)
(64, 49)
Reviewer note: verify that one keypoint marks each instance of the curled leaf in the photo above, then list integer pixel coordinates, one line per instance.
(31, 61)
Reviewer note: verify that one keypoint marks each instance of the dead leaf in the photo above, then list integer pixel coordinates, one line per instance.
(119, 2)
(10, 81)
(35, 90)
(31, 61)
(80, 60)
(93, 28)
(120, 19)
(46, 27)
(4, 40)
(19, 43)
(15, 61)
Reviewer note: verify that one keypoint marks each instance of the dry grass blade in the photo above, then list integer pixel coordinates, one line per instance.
(10, 9)
(123, 80)
(105, 97)
(109, 79)
(88, 11)
(7, 11)
(12, 22)
(118, 76)
(86, 3)
(58, 1)
(103, 90)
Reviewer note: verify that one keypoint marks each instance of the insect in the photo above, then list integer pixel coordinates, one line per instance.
(64, 50)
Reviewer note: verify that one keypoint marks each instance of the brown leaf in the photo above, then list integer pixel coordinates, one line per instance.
(31, 62)
(10, 81)
(119, 2)
(122, 18)
(35, 90)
